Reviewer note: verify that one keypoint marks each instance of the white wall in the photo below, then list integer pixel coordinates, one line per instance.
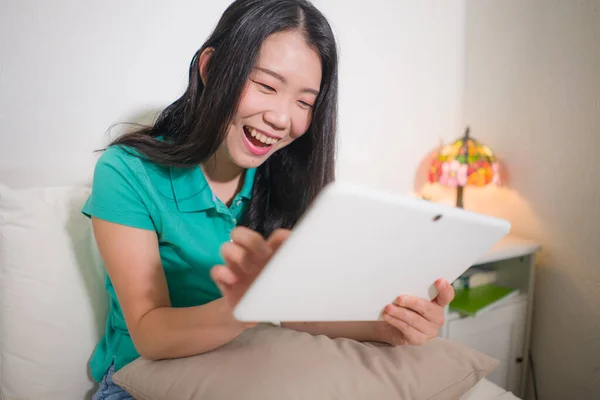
(533, 95)
(402, 82)
(70, 68)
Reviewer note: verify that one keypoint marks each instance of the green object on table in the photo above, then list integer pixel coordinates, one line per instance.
(470, 301)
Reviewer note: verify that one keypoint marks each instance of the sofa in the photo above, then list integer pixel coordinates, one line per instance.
(52, 299)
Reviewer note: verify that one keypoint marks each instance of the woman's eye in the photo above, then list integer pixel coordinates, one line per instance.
(305, 104)
(266, 87)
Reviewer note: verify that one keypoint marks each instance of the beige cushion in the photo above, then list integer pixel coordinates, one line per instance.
(52, 298)
(268, 362)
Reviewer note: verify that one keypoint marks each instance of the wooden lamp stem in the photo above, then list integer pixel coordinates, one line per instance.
(465, 149)
(459, 196)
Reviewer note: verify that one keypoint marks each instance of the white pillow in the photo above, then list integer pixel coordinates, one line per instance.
(52, 299)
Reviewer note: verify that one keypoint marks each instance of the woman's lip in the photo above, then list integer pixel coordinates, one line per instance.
(257, 151)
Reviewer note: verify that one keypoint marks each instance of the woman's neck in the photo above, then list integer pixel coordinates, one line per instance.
(224, 177)
(221, 171)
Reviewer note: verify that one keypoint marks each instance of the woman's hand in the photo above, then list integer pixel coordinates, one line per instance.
(414, 321)
(245, 257)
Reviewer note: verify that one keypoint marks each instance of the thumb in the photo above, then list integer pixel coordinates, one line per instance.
(445, 293)
(224, 279)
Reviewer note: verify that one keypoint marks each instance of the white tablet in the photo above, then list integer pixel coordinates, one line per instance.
(357, 249)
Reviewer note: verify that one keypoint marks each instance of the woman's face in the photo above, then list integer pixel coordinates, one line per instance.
(277, 102)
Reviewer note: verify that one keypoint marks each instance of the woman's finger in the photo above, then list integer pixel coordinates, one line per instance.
(424, 307)
(238, 258)
(412, 336)
(223, 274)
(224, 278)
(445, 293)
(277, 238)
(252, 241)
(413, 319)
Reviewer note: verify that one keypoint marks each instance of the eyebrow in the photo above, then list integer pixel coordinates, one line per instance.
(282, 79)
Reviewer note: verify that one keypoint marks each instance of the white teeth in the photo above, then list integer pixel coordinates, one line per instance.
(263, 138)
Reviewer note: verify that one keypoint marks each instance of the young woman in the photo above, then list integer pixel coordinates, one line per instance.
(187, 212)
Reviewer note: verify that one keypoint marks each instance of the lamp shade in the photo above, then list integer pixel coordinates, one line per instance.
(464, 162)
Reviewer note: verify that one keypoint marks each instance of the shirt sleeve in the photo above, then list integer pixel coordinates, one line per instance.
(119, 191)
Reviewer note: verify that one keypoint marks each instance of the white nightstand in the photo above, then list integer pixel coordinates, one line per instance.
(504, 331)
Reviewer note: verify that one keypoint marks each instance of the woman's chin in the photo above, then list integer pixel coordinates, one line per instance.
(245, 160)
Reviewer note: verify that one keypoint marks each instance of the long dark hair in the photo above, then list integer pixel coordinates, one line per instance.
(195, 125)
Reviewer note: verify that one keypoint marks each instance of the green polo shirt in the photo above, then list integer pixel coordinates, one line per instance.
(191, 225)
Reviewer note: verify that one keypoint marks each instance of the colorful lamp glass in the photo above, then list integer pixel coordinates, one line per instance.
(464, 162)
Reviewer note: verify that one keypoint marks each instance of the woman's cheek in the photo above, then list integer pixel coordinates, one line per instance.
(300, 125)
(251, 103)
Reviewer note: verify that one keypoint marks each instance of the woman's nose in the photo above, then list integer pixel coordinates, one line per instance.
(278, 118)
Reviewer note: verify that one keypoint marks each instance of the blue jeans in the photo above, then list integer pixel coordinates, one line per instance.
(109, 390)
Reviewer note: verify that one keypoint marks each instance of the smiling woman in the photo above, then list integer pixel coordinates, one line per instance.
(250, 142)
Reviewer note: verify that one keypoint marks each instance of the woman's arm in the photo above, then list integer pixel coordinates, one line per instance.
(158, 331)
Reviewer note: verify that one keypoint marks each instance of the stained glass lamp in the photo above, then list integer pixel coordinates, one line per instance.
(464, 162)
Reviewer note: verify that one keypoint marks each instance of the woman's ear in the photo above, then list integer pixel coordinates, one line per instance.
(203, 63)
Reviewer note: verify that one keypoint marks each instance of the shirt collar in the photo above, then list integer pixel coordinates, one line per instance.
(192, 192)
(246, 191)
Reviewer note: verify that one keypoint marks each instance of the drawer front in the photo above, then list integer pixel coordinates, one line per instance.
(498, 333)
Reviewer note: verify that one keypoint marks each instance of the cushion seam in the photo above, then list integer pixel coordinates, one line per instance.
(459, 382)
